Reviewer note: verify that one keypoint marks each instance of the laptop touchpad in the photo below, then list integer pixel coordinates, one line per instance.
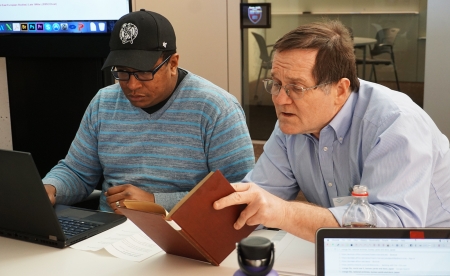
(75, 213)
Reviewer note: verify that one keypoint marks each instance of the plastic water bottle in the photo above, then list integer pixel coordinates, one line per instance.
(359, 214)
(256, 256)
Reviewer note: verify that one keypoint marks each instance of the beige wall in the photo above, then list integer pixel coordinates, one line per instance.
(5, 122)
(437, 64)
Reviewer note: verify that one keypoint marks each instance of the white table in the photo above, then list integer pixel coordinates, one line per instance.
(24, 258)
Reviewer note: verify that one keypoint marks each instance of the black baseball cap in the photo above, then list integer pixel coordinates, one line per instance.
(138, 39)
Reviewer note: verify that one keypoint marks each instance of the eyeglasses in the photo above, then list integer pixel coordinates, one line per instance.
(292, 90)
(139, 75)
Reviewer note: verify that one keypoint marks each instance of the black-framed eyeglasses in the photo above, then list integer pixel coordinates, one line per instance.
(292, 90)
(139, 75)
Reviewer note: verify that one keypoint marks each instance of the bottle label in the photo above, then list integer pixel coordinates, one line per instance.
(341, 201)
(359, 225)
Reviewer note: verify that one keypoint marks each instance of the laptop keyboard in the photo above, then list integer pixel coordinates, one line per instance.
(72, 227)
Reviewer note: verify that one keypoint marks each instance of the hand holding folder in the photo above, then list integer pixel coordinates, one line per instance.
(193, 228)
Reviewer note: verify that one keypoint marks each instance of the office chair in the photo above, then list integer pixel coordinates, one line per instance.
(385, 44)
(266, 59)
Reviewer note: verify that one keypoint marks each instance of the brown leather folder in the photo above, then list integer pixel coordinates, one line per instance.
(193, 229)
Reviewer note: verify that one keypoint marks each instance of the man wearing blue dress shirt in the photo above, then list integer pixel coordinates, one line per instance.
(335, 131)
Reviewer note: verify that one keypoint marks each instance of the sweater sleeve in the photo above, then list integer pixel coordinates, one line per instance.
(77, 175)
(228, 144)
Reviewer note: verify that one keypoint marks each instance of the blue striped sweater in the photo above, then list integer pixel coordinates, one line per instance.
(201, 128)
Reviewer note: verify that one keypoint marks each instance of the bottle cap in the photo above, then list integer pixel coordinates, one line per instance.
(360, 190)
(255, 248)
(255, 256)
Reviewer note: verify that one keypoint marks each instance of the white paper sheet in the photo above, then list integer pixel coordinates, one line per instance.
(125, 241)
(112, 235)
(134, 248)
(294, 256)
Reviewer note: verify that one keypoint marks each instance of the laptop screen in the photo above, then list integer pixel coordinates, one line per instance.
(387, 257)
(378, 251)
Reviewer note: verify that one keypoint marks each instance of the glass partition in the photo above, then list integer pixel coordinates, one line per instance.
(365, 18)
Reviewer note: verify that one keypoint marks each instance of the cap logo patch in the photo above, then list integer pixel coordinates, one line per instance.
(164, 44)
(128, 33)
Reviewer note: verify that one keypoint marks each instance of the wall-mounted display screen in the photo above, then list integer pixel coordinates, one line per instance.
(58, 28)
(61, 16)
(255, 15)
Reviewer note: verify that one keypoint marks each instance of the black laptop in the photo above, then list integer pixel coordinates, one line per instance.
(382, 251)
(27, 214)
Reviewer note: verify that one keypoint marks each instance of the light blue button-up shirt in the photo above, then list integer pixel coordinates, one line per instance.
(381, 139)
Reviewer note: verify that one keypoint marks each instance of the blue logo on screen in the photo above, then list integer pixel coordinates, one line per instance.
(72, 27)
(56, 27)
(48, 26)
(2, 27)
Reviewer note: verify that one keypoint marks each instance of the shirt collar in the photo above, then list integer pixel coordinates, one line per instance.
(342, 121)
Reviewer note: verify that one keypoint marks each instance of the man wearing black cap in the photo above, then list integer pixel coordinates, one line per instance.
(157, 132)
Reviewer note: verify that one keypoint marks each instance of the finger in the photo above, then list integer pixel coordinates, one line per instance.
(113, 206)
(52, 199)
(116, 189)
(117, 204)
(240, 187)
(241, 196)
(113, 198)
(232, 199)
(248, 213)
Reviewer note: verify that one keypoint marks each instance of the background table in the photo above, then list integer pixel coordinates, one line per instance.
(362, 43)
